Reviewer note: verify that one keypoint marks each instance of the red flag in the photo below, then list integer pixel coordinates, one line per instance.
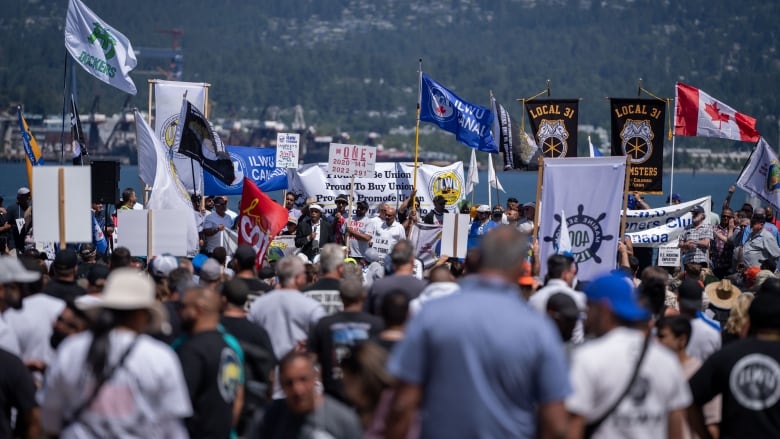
(699, 114)
(261, 219)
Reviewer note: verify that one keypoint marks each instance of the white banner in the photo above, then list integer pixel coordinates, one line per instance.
(590, 191)
(662, 226)
(100, 49)
(761, 176)
(389, 183)
(287, 150)
(351, 160)
(167, 108)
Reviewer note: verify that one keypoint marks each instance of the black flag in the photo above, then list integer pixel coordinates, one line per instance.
(196, 138)
(638, 131)
(79, 144)
(554, 125)
(503, 133)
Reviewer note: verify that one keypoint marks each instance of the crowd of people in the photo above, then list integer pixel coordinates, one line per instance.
(351, 336)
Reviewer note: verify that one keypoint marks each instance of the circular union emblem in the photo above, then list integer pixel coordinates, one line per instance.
(552, 138)
(441, 105)
(239, 170)
(169, 130)
(448, 185)
(585, 234)
(773, 177)
(755, 382)
(637, 140)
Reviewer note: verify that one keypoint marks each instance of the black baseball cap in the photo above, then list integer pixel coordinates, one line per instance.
(66, 259)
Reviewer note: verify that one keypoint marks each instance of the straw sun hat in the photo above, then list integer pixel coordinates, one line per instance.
(722, 294)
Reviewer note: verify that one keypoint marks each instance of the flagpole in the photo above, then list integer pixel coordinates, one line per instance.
(417, 132)
(349, 212)
(490, 168)
(625, 198)
(671, 183)
(64, 100)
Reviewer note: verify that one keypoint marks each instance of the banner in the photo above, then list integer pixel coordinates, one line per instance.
(351, 160)
(554, 125)
(662, 226)
(699, 114)
(257, 164)
(280, 247)
(390, 183)
(638, 132)
(196, 138)
(260, 220)
(590, 191)
(32, 152)
(469, 122)
(167, 108)
(100, 49)
(761, 176)
(427, 242)
(503, 133)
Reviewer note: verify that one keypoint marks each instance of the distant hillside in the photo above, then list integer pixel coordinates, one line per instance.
(352, 64)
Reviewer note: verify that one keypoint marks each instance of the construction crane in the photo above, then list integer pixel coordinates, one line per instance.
(175, 56)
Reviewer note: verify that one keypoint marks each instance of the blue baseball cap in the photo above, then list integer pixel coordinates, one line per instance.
(617, 291)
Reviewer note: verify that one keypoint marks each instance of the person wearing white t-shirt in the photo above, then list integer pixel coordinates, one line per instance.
(602, 369)
(359, 231)
(215, 223)
(561, 271)
(387, 234)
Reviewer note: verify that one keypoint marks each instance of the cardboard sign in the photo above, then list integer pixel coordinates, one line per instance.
(669, 257)
(351, 160)
(167, 234)
(75, 223)
(287, 150)
(455, 235)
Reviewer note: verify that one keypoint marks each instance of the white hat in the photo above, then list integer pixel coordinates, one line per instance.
(12, 270)
(316, 207)
(23, 191)
(530, 204)
(161, 266)
(128, 289)
(483, 208)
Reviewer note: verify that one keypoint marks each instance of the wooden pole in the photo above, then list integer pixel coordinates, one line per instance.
(349, 211)
(417, 135)
(625, 198)
(61, 200)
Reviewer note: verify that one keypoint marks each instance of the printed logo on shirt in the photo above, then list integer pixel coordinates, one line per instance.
(755, 382)
(229, 374)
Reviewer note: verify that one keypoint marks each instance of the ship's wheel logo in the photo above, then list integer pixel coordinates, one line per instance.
(585, 233)
(553, 137)
(637, 140)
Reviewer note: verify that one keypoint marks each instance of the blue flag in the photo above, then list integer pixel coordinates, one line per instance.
(98, 238)
(258, 164)
(469, 122)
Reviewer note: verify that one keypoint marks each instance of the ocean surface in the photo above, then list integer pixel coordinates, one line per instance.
(521, 185)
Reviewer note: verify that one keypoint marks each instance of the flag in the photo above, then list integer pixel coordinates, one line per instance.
(469, 122)
(78, 142)
(492, 178)
(167, 191)
(260, 220)
(594, 203)
(473, 178)
(502, 132)
(257, 163)
(594, 152)
(699, 114)
(99, 48)
(563, 244)
(554, 125)
(98, 237)
(197, 139)
(761, 175)
(147, 152)
(527, 153)
(31, 150)
(638, 133)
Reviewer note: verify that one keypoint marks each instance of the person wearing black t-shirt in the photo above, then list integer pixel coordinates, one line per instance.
(244, 266)
(212, 362)
(17, 391)
(334, 335)
(747, 374)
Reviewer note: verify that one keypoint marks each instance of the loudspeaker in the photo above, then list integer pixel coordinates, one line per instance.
(105, 182)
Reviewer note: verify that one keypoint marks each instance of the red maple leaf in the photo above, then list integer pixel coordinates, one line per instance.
(714, 112)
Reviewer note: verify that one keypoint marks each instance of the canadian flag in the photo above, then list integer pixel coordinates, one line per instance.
(699, 114)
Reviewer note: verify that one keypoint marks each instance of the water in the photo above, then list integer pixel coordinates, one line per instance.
(521, 185)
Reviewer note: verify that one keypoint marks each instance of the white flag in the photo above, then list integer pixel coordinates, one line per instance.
(492, 178)
(472, 180)
(761, 176)
(167, 191)
(564, 240)
(591, 190)
(99, 48)
(147, 153)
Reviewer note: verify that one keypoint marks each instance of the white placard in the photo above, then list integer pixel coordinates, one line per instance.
(351, 160)
(669, 257)
(287, 150)
(167, 234)
(78, 204)
(455, 235)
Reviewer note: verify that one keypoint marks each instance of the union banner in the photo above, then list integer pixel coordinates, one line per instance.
(638, 132)
(554, 125)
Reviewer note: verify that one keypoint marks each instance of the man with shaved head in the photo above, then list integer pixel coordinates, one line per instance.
(212, 362)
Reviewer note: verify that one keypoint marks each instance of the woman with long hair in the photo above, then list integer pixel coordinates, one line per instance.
(738, 319)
